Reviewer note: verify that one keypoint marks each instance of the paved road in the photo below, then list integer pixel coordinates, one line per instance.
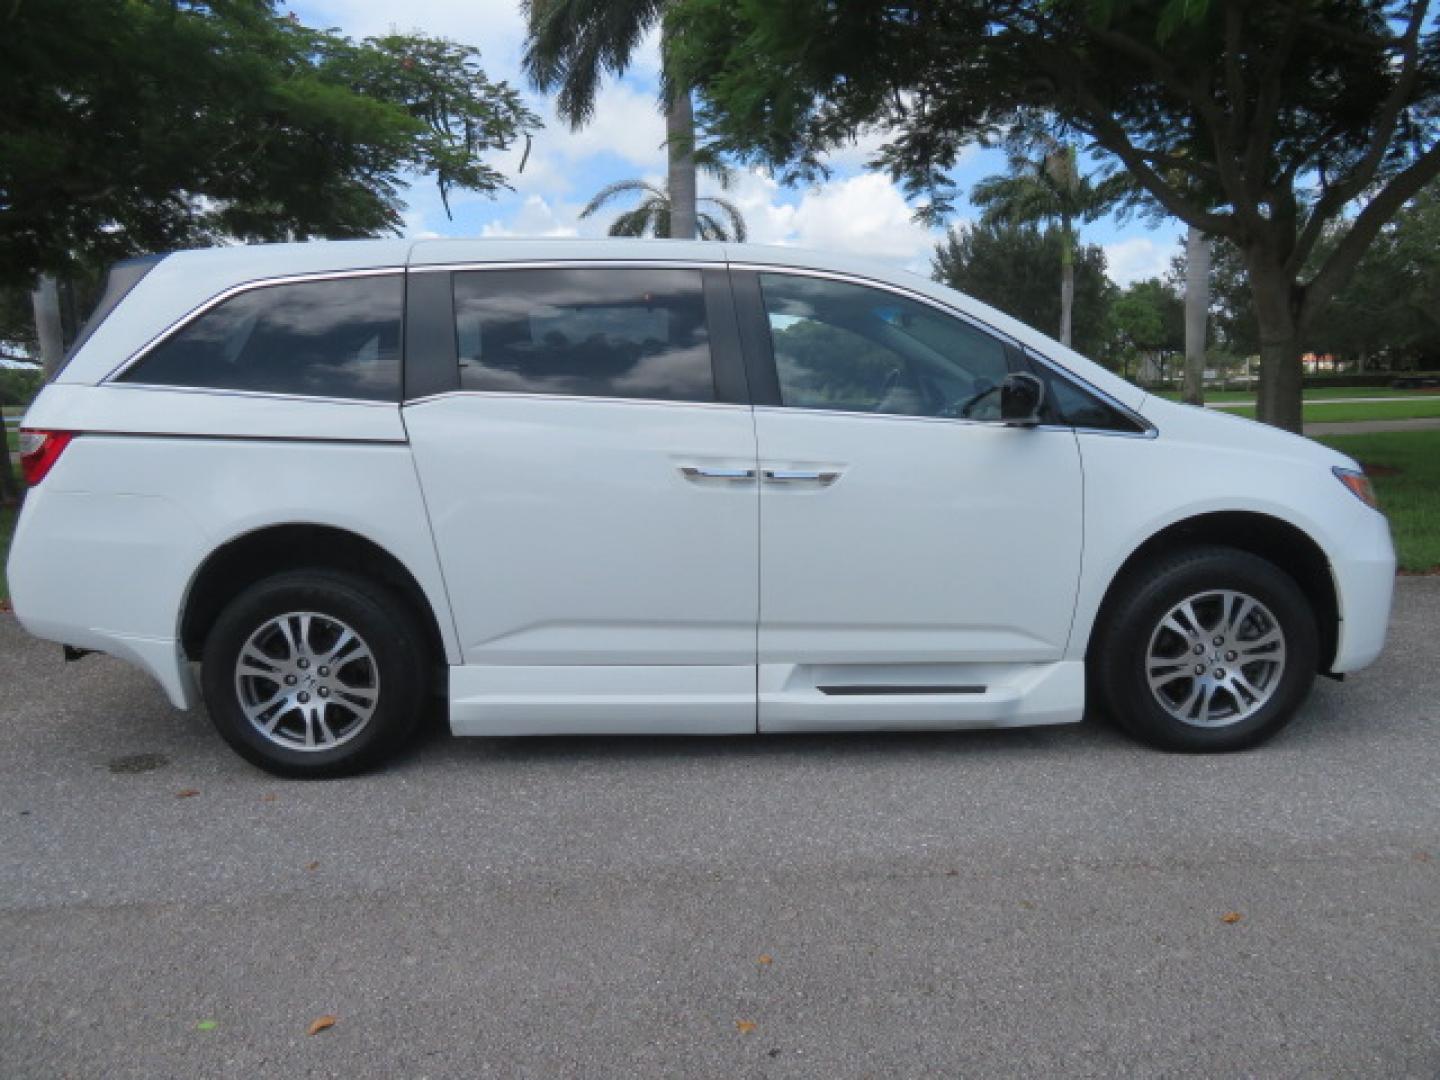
(1024, 903)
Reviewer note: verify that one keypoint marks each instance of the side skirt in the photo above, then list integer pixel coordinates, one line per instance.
(603, 700)
(911, 697)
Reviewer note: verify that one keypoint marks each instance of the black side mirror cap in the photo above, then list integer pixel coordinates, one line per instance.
(1021, 396)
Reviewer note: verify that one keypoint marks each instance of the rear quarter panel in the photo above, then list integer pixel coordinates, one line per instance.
(113, 538)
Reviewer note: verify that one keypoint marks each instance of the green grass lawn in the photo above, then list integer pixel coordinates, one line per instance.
(1410, 496)
(1422, 407)
(1321, 394)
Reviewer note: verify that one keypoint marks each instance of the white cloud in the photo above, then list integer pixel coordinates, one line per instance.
(536, 217)
(865, 215)
(627, 123)
(1137, 258)
(495, 27)
(412, 226)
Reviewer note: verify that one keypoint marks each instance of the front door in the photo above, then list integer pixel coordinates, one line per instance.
(594, 501)
(919, 558)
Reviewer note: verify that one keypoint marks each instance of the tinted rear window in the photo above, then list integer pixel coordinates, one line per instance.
(595, 333)
(337, 338)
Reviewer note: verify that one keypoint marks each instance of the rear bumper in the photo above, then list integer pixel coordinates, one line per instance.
(161, 658)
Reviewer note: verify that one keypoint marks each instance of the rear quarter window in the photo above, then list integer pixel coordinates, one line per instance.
(334, 338)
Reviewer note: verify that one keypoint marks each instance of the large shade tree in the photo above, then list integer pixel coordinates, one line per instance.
(575, 44)
(132, 126)
(1262, 122)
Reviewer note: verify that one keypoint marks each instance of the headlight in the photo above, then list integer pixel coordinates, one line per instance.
(1359, 485)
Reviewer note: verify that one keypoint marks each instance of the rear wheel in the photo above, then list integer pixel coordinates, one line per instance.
(1212, 649)
(315, 673)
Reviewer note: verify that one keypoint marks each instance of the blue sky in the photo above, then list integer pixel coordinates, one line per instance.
(856, 212)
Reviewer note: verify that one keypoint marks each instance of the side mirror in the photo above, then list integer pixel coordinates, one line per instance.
(1021, 396)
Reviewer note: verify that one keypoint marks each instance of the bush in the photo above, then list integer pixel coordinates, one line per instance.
(19, 385)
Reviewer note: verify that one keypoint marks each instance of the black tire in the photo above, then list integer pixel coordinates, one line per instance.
(1118, 662)
(386, 626)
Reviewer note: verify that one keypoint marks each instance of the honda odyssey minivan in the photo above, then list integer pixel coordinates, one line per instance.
(659, 486)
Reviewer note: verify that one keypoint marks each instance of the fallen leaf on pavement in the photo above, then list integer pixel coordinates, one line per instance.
(314, 865)
(766, 958)
(319, 1024)
(1231, 917)
(187, 793)
(745, 1026)
(206, 1025)
(271, 797)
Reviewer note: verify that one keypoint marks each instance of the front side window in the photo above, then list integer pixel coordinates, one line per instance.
(860, 349)
(335, 338)
(602, 332)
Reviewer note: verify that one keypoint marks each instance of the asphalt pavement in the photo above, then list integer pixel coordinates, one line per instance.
(1052, 902)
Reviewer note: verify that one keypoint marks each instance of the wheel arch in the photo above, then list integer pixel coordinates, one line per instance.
(1279, 542)
(247, 558)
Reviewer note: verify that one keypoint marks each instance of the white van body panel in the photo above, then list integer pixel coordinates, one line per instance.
(582, 581)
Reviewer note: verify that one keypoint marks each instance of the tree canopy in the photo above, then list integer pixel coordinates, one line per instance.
(1014, 267)
(1264, 122)
(144, 125)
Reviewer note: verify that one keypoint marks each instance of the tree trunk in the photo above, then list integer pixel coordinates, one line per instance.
(1067, 283)
(45, 301)
(680, 145)
(1281, 372)
(1197, 307)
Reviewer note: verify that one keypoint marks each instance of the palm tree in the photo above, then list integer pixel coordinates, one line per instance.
(655, 216)
(1049, 188)
(573, 44)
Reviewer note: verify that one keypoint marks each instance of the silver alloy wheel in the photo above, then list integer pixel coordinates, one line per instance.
(1216, 658)
(306, 681)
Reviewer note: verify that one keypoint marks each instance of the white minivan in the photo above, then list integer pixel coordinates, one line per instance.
(658, 486)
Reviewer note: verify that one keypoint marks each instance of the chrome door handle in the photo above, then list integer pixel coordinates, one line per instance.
(801, 476)
(715, 472)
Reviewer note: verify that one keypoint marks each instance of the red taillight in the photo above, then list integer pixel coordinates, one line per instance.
(39, 450)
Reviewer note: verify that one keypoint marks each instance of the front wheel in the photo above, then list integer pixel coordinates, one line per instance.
(314, 673)
(1212, 649)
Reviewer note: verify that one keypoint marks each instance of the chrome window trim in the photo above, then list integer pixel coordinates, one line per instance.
(968, 421)
(540, 396)
(1149, 431)
(569, 264)
(268, 395)
(235, 290)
